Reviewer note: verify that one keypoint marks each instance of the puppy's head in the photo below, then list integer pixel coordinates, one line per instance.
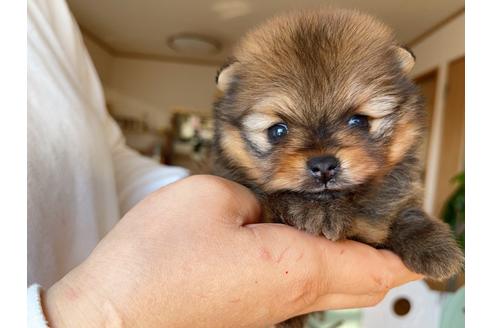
(317, 101)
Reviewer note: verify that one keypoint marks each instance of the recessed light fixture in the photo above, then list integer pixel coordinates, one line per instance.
(193, 44)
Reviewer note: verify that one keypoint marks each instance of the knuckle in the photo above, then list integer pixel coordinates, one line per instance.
(225, 193)
(305, 290)
(383, 281)
(209, 184)
(202, 179)
(305, 294)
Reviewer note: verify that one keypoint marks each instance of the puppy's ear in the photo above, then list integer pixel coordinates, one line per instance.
(226, 75)
(406, 58)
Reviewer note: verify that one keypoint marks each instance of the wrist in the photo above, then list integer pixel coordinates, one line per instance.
(74, 302)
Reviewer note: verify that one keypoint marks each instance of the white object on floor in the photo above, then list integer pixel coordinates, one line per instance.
(424, 311)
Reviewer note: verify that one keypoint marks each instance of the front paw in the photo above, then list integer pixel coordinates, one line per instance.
(438, 262)
(426, 246)
(307, 215)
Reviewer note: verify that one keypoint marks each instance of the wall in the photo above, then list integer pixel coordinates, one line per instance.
(150, 89)
(437, 51)
(441, 47)
(156, 88)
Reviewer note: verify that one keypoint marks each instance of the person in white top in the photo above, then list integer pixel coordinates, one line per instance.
(190, 254)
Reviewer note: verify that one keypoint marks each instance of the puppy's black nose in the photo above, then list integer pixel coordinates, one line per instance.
(323, 168)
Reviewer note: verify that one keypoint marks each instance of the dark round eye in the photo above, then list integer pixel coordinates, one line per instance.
(359, 121)
(277, 131)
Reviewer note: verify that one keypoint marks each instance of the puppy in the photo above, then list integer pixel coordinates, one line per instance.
(318, 116)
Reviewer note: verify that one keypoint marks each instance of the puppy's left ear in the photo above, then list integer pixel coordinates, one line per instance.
(226, 75)
(406, 58)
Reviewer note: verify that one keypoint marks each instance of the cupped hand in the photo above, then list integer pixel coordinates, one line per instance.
(193, 254)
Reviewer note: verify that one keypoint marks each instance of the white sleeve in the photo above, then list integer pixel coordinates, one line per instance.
(35, 315)
(136, 176)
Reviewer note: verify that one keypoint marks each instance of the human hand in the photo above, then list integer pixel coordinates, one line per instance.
(193, 255)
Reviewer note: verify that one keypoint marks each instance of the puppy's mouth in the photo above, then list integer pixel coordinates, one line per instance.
(330, 190)
(326, 187)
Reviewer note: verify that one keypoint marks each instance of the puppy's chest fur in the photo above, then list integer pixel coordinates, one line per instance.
(364, 214)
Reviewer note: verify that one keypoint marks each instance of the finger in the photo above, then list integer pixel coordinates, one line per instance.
(345, 267)
(314, 270)
(344, 301)
(354, 268)
(241, 206)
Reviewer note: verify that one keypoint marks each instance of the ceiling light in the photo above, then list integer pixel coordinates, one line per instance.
(192, 44)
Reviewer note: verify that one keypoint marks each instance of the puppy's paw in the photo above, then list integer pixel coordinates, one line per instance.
(313, 219)
(426, 246)
(307, 215)
(317, 220)
(439, 262)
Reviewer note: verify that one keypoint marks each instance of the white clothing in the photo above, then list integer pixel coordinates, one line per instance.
(81, 176)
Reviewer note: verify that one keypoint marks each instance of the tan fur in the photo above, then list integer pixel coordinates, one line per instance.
(378, 107)
(277, 102)
(369, 232)
(356, 165)
(407, 61)
(234, 148)
(405, 135)
(225, 79)
(259, 122)
(289, 174)
(255, 126)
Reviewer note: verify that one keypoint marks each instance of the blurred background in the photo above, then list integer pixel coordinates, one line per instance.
(157, 61)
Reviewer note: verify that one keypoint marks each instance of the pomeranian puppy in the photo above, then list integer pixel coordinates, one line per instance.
(318, 116)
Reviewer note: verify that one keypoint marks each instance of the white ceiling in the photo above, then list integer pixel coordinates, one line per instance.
(143, 26)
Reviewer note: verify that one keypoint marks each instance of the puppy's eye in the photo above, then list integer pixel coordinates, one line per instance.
(277, 131)
(359, 121)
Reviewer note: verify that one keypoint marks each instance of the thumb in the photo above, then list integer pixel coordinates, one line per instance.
(351, 267)
(213, 197)
(338, 273)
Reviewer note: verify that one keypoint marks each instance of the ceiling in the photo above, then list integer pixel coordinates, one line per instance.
(142, 27)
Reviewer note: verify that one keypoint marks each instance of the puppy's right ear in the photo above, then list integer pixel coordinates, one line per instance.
(226, 75)
(406, 58)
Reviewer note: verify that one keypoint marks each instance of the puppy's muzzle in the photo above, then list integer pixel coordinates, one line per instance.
(323, 168)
